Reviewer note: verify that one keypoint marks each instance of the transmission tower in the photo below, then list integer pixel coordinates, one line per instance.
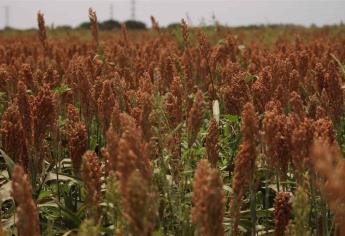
(7, 16)
(111, 11)
(133, 9)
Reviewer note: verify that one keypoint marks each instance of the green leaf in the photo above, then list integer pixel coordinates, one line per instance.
(260, 213)
(250, 78)
(233, 118)
(158, 233)
(69, 215)
(44, 195)
(62, 89)
(9, 162)
(2, 94)
(51, 176)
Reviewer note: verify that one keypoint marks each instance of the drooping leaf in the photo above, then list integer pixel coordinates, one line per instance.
(9, 162)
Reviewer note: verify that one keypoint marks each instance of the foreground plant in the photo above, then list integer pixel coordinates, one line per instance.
(208, 200)
(330, 166)
(245, 163)
(27, 214)
(282, 212)
(140, 207)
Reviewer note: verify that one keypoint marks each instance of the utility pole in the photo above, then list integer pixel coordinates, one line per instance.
(133, 9)
(111, 11)
(7, 16)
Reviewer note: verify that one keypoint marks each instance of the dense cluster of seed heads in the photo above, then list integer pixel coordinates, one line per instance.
(289, 99)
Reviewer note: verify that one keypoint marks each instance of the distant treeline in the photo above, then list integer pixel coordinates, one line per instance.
(109, 25)
(113, 24)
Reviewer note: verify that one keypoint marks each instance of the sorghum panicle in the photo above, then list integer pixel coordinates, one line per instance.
(41, 28)
(27, 215)
(133, 152)
(77, 138)
(12, 133)
(276, 137)
(208, 200)
(330, 166)
(91, 173)
(211, 143)
(195, 117)
(155, 25)
(174, 109)
(94, 25)
(44, 116)
(106, 102)
(245, 161)
(282, 211)
(140, 208)
(25, 107)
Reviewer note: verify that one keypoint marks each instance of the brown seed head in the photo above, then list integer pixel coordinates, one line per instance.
(76, 137)
(106, 102)
(276, 138)
(174, 103)
(329, 164)
(301, 141)
(94, 25)
(12, 136)
(208, 200)
(296, 104)
(140, 208)
(44, 116)
(145, 104)
(236, 94)
(155, 25)
(41, 28)
(282, 212)
(25, 107)
(91, 173)
(195, 117)
(27, 215)
(245, 160)
(211, 144)
(204, 46)
(133, 152)
(185, 33)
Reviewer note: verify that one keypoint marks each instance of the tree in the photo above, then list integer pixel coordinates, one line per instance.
(133, 24)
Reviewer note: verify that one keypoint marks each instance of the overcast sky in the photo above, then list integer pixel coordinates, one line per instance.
(230, 12)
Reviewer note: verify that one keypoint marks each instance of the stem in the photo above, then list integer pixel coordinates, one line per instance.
(332, 226)
(266, 202)
(324, 218)
(278, 184)
(253, 208)
(98, 144)
(312, 205)
(58, 183)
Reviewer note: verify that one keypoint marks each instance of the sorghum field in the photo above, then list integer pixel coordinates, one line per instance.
(185, 131)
